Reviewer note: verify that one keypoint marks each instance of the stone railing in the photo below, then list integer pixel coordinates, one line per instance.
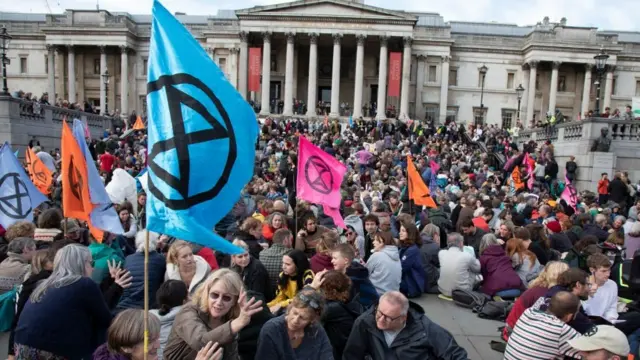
(588, 129)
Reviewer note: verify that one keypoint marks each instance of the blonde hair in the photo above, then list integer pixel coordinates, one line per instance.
(20, 229)
(231, 281)
(40, 259)
(127, 330)
(241, 243)
(549, 275)
(174, 249)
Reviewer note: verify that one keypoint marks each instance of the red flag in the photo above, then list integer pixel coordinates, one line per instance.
(395, 73)
(255, 66)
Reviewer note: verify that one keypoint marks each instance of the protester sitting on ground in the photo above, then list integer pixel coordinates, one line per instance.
(253, 273)
(558, 240)
(183, 265)
(133, 296)
(577, 256)
(125, 213)
(217, 312)
(536, 247)
(472, 235)
(430, 236)
(499, 277)
(524, 261)
(413, 278)
(170, 298)
(310, 235)
(48, 228)
(605, 342)
(632, 240)
(273, 223)
(271, 257)
(321, 260)
(371, 224)
(537, 289)
(343, 260)
(251, 233)
(20, 229)
(545, 334)
(103, 252)
(15, 269)
(394, 330)
(296, 334)
(296, 273)
(340, 312)
(605, 300)
(126, 338)
(458, 268)
(384, 265)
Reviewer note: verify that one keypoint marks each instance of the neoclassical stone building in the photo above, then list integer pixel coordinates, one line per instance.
(337, 51)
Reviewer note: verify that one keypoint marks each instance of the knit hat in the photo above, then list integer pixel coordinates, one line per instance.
(554, 226)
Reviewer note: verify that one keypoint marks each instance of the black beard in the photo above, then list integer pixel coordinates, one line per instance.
(584, 297)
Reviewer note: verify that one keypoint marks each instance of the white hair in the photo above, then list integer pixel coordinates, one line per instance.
(68, 267)
(141, 238)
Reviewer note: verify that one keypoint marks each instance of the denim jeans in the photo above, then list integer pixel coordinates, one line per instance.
(511, 293)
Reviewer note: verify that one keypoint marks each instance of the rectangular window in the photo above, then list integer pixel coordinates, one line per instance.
(274, 62)
(562, 83)
(479, 115)
(614, 83)
(23, 64)
(452, 113)
(432, 74)
(507, 118)
(510, 80)
(637, 87)
(145, 63)
(537, 81)
(222, 64)
(431, 112)
(46, 64)
(453, 77)
(96, 66)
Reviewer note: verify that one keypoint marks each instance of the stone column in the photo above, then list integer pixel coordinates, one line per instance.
(382, 79)
(51, 75)
(608, 88)
(60, 91)
(357, 96)
(444, 90)
(525, 94)
(72, 73)
(406, 72)
(586, 90)
(103, 68)
(533, 65)
(335, 77)
(266, 74)
(124, 81)
(288, 76)
(553, 91)
(211, 51)
(312, 86)
(243, 68)
(420, 111)
(233, 67)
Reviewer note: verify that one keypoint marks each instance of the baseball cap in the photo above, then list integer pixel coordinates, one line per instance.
(602, 337)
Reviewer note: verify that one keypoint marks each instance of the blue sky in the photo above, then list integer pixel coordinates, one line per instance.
(609, 15)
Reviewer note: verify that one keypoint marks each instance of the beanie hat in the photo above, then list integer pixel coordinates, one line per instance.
(554, 226)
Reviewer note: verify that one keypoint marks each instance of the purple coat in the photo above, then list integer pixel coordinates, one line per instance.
(497, 271)
(102, 353)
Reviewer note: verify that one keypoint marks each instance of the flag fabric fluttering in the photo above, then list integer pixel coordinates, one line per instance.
(39, 173)
(516, 179)
(433, 182)
(319, 179)
(418, 190)
(350, 121)
(139, 125)
(18, 195)
(569, 194)
(201, 137)
(530, 163)
(76, 201)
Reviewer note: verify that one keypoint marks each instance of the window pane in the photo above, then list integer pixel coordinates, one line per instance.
(144, 66)
(274, 62)
(562, 83)
(432, 112)
(23, 65)
(613, 86)
(510, 78)
(432, 73)
(453, 77)
(46, 64)
(452, 113)
(222, 63)
(507, 118)
(479, 115)
(96, 66)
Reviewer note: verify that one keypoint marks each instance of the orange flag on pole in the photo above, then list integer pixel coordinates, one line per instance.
(418, 190)
(139, 125)
(39, 173)
(516, 177)
(76, 201)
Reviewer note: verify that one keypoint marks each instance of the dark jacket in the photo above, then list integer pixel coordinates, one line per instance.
(430, 263)
(571, 167)
(560, 242)
(421, 339)
(320, 262)
(551, 170)
(474, 240)
(248, 336)
(273, 342)
(581, 323)
(256, 278)
(361, 286)
(252, 242)
(133, 296)
(595, 230)
(412, 284)
(618, 191)
(497, 271)
(337, 320)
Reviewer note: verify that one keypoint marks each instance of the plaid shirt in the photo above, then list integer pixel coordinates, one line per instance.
(271, 258)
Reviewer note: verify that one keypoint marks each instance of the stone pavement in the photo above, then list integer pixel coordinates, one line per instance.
(470, 331)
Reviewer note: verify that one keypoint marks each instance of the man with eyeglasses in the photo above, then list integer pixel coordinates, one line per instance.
(393, 331)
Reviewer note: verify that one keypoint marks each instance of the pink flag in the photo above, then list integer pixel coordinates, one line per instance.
(570, 195)
(528, 161)
(434, 167)
(334, 213)
(319, 175)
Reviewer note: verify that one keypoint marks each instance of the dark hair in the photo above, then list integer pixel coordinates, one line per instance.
(563, 303)
(371, 218)
(569, 278)
(467, 223)
(50, 219)
(336, 286)
(171, 293)
(301, 262)
(413, 236)
(386, 237)
(597, 261)
(522, 233)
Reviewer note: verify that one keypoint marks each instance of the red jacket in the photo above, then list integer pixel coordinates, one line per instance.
(210, 257)
(525, 301)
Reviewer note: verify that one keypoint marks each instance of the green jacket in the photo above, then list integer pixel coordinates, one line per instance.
(101, 253)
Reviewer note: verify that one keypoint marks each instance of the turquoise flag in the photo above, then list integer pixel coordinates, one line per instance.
(18, 195)
(202, 137)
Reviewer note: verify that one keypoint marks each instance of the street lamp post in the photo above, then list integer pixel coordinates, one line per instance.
(5, 38)
(483, 73)
(105, 80)
(519, 92)
(601, 67)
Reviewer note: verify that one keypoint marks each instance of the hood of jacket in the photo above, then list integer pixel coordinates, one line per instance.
(356, 223)
(494, 250)
(323, 260)
(392, 252)
(99, 251)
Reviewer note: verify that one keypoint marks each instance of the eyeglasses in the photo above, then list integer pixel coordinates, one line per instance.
(385, 317)
(312, 303)
(226, 298)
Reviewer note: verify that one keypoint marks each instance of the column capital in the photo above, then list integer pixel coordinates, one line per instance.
(69, 48)
(533, 64)
(407, 41)
(124, 49)
(421, 57)
(243, 36)
(210, 49)
(290, 37)
(384, 39)
(556, 65)
(588, 67)
(446, 59)
(103, 49)
(360, 39)
(234, 50)
(266, 36)
(51, 47)
(337, 38)
(526, 67)
(313, 38)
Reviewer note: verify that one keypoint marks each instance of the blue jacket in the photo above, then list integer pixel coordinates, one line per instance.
(362, 288)
(412, 284)
(133, 296)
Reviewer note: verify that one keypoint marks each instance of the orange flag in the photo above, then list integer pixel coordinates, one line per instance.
(418, 191)
(76, 201)
(40, 175)
(516, 177)
(139, 125)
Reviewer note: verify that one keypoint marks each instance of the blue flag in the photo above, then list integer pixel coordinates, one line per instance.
(18, 195)
(103, 216)
(350, 121)
(202, 137)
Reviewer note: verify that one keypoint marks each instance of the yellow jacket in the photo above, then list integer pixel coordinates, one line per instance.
(285, 295)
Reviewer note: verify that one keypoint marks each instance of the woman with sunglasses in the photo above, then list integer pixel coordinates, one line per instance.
(217, 313)
(297, 334)
(296, 273)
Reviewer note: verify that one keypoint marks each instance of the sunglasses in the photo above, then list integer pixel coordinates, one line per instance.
(310, 302)
(226, 298)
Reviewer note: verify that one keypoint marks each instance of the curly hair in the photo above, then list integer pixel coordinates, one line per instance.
(336, 286)
(20, 229)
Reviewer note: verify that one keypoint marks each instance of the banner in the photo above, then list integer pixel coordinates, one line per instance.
(319, 175)
(139, 125)
(255, 67)
(570, 195)
(531, 164)
(76, 201)
(395, 73)
(39, 173)
(418, 190)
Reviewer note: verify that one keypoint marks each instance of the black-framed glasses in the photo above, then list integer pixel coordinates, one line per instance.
(387, 317)
(309, 301)
(226, 298)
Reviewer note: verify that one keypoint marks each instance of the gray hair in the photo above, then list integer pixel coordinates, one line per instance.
(621, 218)
(141, 238)
(488, 240)
(18, 245)
(455, 240)
(431, 230)
(68, 267)
(396, 298)
(600, 219)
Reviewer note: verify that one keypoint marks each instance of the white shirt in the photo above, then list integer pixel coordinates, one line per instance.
(604, 303)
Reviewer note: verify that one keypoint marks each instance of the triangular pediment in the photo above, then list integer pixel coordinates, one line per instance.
(326, 8)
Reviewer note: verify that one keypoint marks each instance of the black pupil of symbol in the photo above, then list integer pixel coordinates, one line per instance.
(318, 175)
(39, 175)
(75, 179)
(181, 140)
(12, 204)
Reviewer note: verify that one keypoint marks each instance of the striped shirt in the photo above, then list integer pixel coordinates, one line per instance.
(540, 336)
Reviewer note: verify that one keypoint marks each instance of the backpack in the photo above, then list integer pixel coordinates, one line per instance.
(8, 303)
(495, 310)
(469, 299)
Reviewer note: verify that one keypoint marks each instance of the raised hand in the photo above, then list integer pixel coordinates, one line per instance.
(318, 279)
(123, 278)
(113, 267)
(247, 309)
(211, 351)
